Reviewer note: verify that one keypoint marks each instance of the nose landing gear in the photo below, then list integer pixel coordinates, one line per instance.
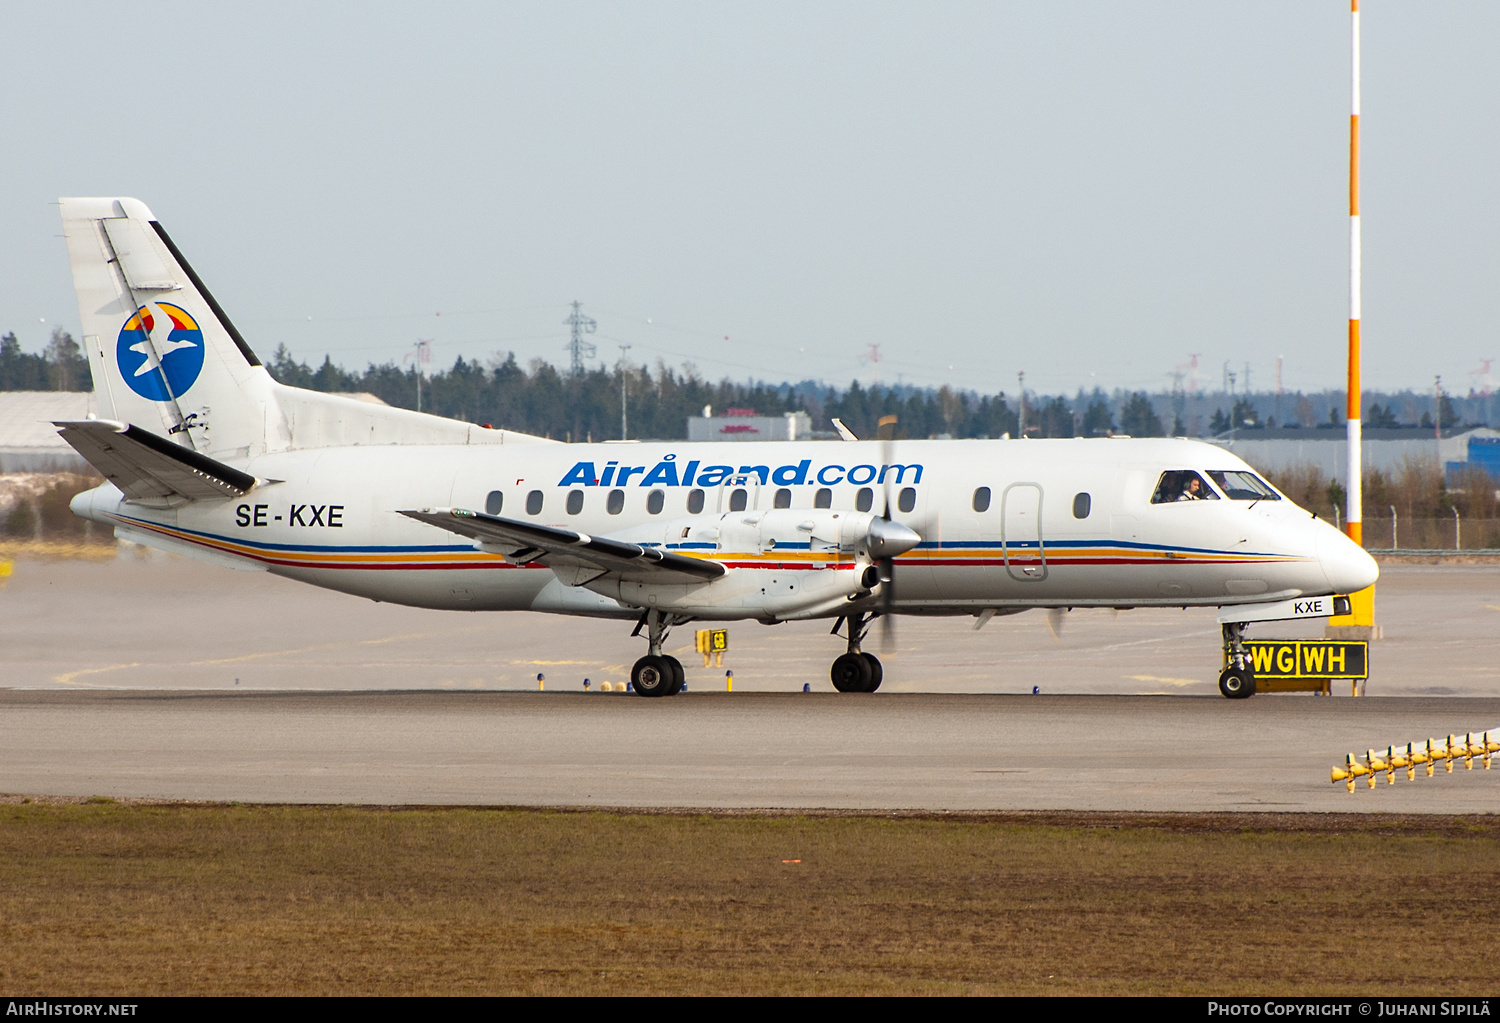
(856, 671)
(657, 674)
(1237, 680)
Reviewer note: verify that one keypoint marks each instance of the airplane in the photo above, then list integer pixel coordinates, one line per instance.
(206, 455)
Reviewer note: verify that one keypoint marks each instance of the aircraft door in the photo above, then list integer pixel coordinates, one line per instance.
(1132, 490)
(1021, 532)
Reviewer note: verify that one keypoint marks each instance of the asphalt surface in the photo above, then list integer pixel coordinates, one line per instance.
(907, 751)
(160, 677)
(163, 622)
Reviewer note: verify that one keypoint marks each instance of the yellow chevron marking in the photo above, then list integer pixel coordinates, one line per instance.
(67, 678)
(1168, 681)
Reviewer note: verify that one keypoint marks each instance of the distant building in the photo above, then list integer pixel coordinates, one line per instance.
(745, 424)
(1380, 449)
(1482, 452)
(28, 440)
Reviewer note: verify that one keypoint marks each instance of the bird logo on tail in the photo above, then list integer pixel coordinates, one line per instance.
(160, 351)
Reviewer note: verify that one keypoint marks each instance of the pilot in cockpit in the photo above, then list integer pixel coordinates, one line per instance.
(1181, 485)
(1192, 490)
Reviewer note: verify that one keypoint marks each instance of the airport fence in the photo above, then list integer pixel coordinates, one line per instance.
(1417, 505)
(1432, 534)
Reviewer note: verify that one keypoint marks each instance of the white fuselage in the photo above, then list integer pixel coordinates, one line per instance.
(330, 517)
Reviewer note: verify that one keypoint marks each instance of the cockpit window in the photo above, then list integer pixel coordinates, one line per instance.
(1244, 486)
(1182, 485)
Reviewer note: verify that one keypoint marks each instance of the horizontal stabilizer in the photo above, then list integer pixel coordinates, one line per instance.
(149, 467)
(523, 542)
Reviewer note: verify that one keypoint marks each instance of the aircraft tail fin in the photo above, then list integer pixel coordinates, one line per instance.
(161, 351)
(165, 357)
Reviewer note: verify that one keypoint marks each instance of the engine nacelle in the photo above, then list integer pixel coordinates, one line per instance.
(781, 564)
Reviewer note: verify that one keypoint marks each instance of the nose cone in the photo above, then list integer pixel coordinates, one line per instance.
(887, 539)
(1345, 562)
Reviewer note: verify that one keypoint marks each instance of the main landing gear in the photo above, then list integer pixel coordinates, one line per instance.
(657, 674)
(1237, 680)
(856, 671)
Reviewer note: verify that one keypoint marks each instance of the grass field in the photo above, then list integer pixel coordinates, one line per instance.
(106, 898)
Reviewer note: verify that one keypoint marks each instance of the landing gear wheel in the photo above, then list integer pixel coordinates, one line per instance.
(877, 673)
(652, 676)
(851, 673)
(1237, 683)
(678, 675)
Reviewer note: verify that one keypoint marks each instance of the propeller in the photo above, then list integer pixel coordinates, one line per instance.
(886, 430)
(885, 541)
(1055, 618)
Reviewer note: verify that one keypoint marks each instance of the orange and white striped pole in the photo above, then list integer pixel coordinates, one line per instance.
(1361, 615)
(1353, 521)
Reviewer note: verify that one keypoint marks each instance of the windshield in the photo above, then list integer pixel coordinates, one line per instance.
(1244, 486)
(1182, 485)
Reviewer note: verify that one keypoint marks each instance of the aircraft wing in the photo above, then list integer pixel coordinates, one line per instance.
(145, 466)
(576, 557)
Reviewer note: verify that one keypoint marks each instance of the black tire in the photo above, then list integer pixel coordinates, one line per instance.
(877, 672)
(679, 676)
(1237, 683)
(850, 673)
(652, 676)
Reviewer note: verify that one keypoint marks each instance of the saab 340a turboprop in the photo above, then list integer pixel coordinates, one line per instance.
(206, 455)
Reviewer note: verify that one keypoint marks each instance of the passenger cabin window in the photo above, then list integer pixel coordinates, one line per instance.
(982, 499)
(864, 500)
(534, 503)
(655, 500)
(615, 503)
(783, 498)
(1082, 504)
(907, 499)
(1244, 486)
(823, 498)
(695, 502)
(494, 503)
(737, 499)
(1182, 485)
(575, 502)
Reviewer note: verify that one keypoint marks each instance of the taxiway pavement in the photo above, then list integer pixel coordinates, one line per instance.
(161, 677)
(882, 750)
(163, 622)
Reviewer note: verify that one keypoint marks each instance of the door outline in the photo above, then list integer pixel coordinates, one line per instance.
(751, 483)
(1018, 572)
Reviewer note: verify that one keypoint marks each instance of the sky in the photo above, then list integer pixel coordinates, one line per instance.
(1090, 193)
